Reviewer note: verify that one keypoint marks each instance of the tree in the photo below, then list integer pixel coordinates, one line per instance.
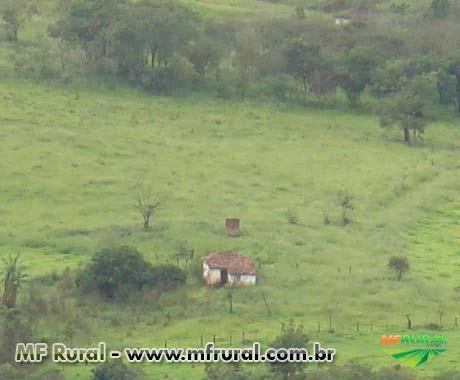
(247, 51)
(292, 336)
(457, 87)
(13, 277)
(146, 205)
(356, 72)
(392, 77)
(88, 23)
(302, 59)
(124, 267)
(407, 111)
(13, 13)
(109, 269)
(322, 82)
(446, 86)
(203, 53)
(400, 264)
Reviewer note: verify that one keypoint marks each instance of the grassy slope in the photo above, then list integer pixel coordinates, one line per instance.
(70, 170)
(240, 9)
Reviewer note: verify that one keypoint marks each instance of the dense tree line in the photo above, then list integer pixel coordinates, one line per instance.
(408, 60)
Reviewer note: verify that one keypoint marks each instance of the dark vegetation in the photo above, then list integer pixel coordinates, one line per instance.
(111, 270)
(400, 264)
(404, 58)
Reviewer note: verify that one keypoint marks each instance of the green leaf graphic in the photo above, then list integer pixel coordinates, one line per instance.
(414, 358)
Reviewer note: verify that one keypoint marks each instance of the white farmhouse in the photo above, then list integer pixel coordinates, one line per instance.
(228, 268)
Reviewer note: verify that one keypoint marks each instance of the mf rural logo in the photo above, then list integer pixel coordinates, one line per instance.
(413, 350)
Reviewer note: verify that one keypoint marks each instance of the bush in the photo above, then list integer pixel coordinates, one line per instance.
(111, 268)
(124, 268)
(225, 84)
(165, 80)
(292, 336)
(446, 86)
(166, 277)
(283, 86)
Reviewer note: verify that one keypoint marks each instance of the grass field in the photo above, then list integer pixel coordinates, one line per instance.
(71, 166)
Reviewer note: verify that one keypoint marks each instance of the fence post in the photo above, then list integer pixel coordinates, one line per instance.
(166, 343)
(214, 338)
(201, 340)
(357, 325)
(230, 339)
(330, 320)
(243, 337)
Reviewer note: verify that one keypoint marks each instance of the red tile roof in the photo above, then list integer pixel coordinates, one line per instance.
(233, 262)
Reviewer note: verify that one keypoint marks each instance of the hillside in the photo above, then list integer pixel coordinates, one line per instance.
(335, 145)
(71, 168)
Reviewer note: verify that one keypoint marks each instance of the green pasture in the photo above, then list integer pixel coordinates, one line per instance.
(73, 162)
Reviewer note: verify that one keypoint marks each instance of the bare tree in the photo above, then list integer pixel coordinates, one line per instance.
(14, 276)
(146, 205)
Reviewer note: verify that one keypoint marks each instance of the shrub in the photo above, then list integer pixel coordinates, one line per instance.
(283, 86)
(292, 336)
(124, 268)
(110, 268)
(165, 277)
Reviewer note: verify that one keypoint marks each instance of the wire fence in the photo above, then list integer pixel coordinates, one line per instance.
(317, 328)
